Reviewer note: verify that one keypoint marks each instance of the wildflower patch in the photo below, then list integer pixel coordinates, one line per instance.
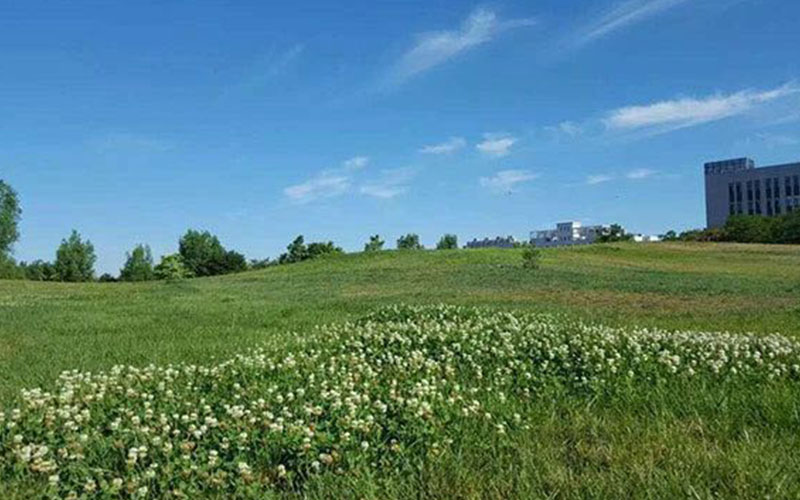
(382, 393)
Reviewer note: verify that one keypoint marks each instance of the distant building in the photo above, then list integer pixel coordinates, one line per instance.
(646, 238)
(498, 242)
(567, 233)
(736, 186)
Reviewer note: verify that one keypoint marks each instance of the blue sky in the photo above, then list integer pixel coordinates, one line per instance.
(133, 121)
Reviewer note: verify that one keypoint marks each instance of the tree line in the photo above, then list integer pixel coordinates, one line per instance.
(781, 229)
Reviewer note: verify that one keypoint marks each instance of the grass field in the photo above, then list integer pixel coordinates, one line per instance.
(700, 439)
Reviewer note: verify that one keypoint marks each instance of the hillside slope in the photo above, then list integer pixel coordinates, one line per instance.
(49, 327)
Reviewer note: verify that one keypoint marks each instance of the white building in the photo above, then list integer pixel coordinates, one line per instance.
(567, 233)
(646, 238)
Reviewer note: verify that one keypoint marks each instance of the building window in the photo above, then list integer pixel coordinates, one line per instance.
(796, 185)
(787, 189)
(768, 187)
(757, 188)
(749, 190)
(731, 209)
(777, 207)
(758, 207)
(769, 207)
(749, 208)
(739, 194)
(776, 186)
(730, 192)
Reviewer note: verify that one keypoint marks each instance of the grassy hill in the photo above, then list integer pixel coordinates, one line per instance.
(46, 328)
(435, 398)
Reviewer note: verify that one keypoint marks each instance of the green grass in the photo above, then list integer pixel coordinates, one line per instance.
(49, 327)
(729, 442)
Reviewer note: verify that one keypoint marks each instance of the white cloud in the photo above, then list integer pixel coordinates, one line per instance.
(569, 128)
(392, 182)
(324, 185)
(640, 173)
(505, 180)
(269, 67)
(435, 48)
(621, 15)
(449, 146)
(686, 112)
(327, 183)
(598, 179)
(356, 163)
(496, 144)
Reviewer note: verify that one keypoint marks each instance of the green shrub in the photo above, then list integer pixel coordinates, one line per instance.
(531, 257)
(409, 242)
(447, 242)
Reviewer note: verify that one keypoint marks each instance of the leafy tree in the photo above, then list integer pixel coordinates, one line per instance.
(9, 218)
(752, 229)
(614, 233)
(232, 262)
(40, 270)
(201, 252)
(531, 257)
(107, 278)
(75, 259)
(296, 251)
(409, 241)
(790, 228)
(447, 242)
(138, 265)
(9, 270)
(172, 268)
(669, 236)
(375, 244)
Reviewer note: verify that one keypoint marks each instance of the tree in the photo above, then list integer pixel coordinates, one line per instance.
(201, 252)
(9, 218)
(172, 268)
(613, 233)
(447, 242)
(752, 229)
(75, 259)
(669, 236)
(138, 265)
(297, 251)
(39, 270)
(409, 241)
(790, 229)
(107, 278)
(375, 244)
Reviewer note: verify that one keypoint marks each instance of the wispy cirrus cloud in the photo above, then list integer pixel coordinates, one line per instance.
(640, 173)
(679, 113)
(496, 144)
(435, 48)
(619, 16)
(593, 180)
(505, 180)
(327, 183)
(391, 183)
(267, 68)
(449, 146)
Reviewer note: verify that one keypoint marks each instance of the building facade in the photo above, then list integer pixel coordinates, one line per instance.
(498, 242)
(567, 233)
(736, 186)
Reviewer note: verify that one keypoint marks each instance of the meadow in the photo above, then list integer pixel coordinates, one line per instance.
(604, 373)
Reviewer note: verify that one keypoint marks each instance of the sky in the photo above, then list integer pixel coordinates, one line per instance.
(258, 121)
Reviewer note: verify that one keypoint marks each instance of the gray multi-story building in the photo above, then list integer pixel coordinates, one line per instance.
(736, 186)
(498, 242)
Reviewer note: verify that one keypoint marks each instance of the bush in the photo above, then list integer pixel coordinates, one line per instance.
(447, 242)
(9, 220)
(75, 259)
(172, 268)
(531, 257)
(409, 242)
(375, 244)
(40, 270)
(138, 265)
(107, 278)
